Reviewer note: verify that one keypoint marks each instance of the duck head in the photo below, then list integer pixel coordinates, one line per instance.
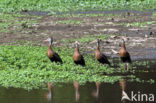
(77, 44)
(50, 40)
(97, 41)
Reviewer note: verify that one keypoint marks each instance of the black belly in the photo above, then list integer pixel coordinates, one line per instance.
(80, 62)
(55, 59)
(103, 61)
(126, 59)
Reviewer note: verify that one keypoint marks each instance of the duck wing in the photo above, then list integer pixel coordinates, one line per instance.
(128, 57)
(104, 59)
(57, 58)
(82, 61)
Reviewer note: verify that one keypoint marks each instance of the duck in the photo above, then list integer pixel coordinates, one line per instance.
(77, 57)
(53, 56)
(124, 54)
(100, 57)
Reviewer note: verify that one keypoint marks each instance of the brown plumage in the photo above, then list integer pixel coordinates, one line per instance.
(78, 58)
(100, 56)
(124, 55)
(53, 56)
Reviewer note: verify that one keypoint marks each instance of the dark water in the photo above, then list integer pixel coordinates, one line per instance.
(88, 93)
(108, 93)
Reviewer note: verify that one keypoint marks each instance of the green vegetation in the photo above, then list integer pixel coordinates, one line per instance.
(74, 5)
(5, 22)
(28, 67)
(154, 14)
(87, 38)
(138, 24)
(16, 22)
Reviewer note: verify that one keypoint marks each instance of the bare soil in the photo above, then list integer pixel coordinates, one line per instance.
(141, 40)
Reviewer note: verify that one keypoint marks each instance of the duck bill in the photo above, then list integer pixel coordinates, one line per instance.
(77, 42)
(46, 40)
(93, 41)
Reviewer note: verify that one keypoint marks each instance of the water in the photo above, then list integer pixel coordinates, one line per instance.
(108, 93)
(88, 93)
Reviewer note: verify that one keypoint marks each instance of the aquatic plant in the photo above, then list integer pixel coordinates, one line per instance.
(88, 38)
(28, 67)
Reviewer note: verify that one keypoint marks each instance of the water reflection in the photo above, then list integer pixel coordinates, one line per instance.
(122, 83)
(49, 93)
(95, 93)
(69, 93)
(77, 94)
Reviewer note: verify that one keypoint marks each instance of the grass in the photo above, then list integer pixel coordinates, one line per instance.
(154, 14)
(28, 67)
(74, 5)
(5, 22)
(87, 38)
(16, 22)
(138, 24)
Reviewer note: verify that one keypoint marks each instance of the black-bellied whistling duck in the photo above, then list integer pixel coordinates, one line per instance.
(98, 55)
(54, 57)
(77, 94)
(124, 55)
(78, 58)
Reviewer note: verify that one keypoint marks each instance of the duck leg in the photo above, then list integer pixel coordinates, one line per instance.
(127, 66)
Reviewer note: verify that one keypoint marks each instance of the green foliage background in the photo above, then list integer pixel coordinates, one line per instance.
(28, 67)
(73, 5)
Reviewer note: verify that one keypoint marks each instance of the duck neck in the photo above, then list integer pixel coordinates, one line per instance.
(123, 45)
(50, 43)
(77, 49)
(98, 46)
(50, 46)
